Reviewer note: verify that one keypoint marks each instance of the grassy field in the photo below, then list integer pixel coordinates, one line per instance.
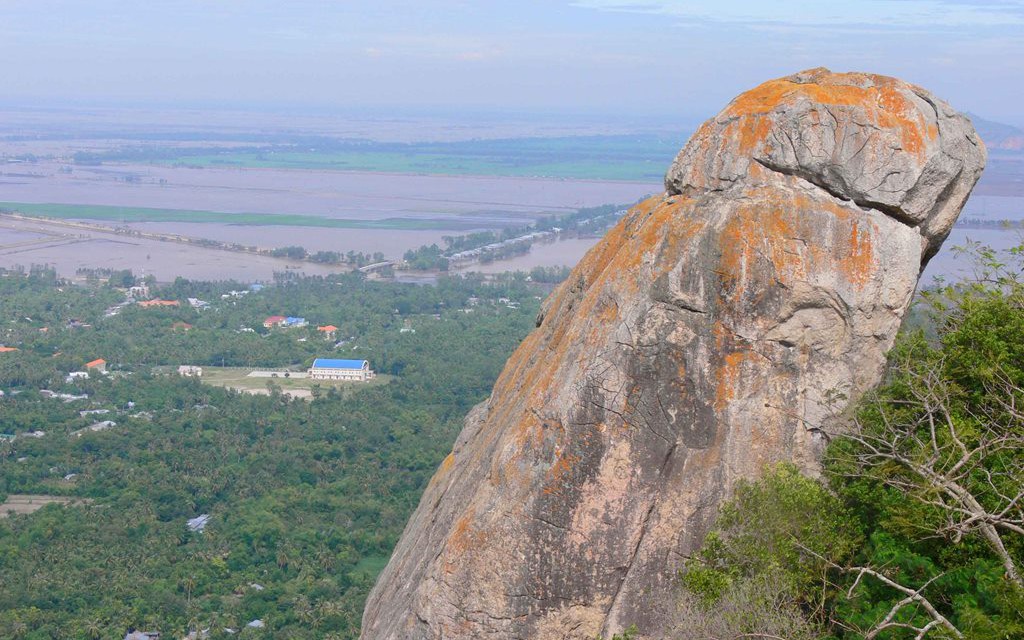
(25, 503)
(143, 214)
(432, 164)
(239, 380)
(640, 157)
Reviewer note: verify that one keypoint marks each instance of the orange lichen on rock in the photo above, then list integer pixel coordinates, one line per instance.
(763, 228)
(465, 537)
(857, 256)
(728, 375)
(614, 260)
(782, 229)
(753, 130)
(682, 227)
(561, 467)
(448, 463)
(896, 111)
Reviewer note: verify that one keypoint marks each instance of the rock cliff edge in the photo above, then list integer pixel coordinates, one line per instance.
(709, 334)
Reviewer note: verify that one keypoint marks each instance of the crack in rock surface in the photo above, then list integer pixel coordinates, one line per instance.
(702, 339)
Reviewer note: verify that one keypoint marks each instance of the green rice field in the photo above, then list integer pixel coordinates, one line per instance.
(143, 214)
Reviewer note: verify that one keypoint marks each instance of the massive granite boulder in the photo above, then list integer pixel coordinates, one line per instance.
(715, 330)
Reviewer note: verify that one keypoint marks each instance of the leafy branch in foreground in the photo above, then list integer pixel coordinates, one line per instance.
(965, 459)
(913, 597)
(763, 571)
(892, 620)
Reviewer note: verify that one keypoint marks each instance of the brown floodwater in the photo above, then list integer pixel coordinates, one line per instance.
(462, 200)
(68, 252)
(548, 254)
(496, 201)
(25, 244)
(463, 203)
(392, 243)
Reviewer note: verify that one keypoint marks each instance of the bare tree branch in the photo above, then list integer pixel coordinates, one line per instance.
(966, 463)
(913, 596)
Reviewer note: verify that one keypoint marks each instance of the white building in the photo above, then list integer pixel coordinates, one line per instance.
(331, 369)
(198, 524)
(189, 371)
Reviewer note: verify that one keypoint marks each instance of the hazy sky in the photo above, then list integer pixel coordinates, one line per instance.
(633, 57)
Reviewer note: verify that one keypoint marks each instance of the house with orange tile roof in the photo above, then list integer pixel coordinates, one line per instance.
(328, 330)
(8, 349)
(99, 364)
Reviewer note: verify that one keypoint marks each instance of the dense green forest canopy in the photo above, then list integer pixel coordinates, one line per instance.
(306, 498)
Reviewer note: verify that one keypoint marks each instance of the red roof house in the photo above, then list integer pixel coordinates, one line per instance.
(99, 364)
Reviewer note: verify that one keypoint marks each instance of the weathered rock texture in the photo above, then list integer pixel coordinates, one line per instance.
(706, 336)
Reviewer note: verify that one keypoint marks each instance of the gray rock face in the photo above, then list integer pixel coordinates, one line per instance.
(884, 144)
(707, 336)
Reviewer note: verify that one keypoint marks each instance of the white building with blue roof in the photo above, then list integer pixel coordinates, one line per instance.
(334, 369)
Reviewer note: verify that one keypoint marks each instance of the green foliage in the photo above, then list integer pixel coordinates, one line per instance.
(291, 252)
(786, 522)
(782, 530)
(426, 258)
(938, 456)
(306, 498)
(124, 278)
(550, 275)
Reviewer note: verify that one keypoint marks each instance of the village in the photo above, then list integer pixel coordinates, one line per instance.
(296, 382)
(93, 373)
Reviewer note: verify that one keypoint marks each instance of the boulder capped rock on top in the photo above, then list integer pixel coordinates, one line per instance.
(712, 332)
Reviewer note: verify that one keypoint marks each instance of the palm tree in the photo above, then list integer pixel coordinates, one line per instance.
(188, 584)
(304, 610)
(18, 629)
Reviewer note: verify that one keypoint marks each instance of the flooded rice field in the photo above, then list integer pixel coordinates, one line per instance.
(392, 243)
(494, 201)
(26, 244)
(447, 205)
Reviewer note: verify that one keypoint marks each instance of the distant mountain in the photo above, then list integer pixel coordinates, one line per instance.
(997, 135)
